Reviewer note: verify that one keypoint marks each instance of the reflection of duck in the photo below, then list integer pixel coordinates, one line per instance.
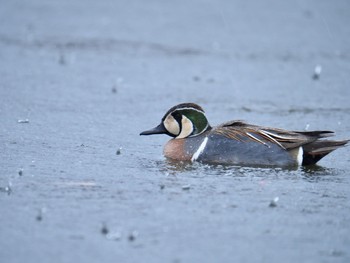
(237, 142)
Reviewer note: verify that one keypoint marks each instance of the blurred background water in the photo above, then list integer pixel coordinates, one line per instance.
(80, 79)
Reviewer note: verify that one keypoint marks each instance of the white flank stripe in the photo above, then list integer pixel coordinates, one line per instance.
(300, 155)
(200, 150)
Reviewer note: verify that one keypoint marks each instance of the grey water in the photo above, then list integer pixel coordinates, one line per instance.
(79, 80)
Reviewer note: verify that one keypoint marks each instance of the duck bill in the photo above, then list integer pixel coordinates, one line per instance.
(160, 129)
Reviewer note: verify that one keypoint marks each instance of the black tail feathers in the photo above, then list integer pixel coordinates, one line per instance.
(316, 150)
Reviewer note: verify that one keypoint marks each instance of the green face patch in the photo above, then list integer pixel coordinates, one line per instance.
(200, 122)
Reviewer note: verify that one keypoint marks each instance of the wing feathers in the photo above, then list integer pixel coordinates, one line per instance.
(311, 143)
(239, 130)
(256, 139)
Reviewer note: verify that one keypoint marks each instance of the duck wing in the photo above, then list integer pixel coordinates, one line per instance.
(314, 148)
(242, 131)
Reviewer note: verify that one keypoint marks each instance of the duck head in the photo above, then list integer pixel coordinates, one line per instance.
(182, 121)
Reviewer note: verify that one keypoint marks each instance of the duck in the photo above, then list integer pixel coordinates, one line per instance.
(237, 142)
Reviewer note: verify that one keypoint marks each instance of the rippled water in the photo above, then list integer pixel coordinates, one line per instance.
(77, 182)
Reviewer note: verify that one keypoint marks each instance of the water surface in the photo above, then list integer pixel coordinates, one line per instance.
(90, 77)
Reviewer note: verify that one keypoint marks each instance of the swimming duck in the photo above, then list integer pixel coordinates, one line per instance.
(237, 142)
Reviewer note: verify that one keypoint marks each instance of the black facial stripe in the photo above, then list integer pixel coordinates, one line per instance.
(178, 117)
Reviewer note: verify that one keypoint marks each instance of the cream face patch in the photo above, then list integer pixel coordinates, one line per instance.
(171, 125)
(187, 127)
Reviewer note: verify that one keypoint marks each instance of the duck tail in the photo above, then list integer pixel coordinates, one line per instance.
(316, 150)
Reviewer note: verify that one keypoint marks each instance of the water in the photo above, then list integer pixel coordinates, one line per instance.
(77, 182)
